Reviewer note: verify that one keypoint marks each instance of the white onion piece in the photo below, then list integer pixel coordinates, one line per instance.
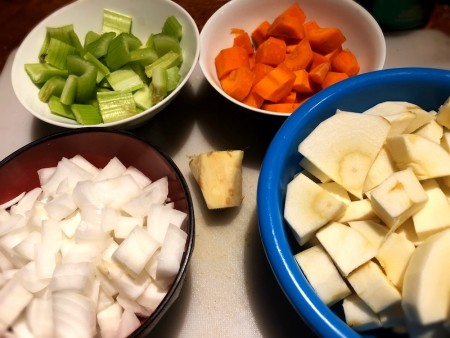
(104, 300)
(115, 192)
(45, 174)
(27, 202)
(7, 244)
(152, 296)
(159, 217)
(39, 315)
(128, 323)
(70, 224)
(109, 320)
(138, 176)
(73, 277)
(60, 207)
(13, 299)
(29, 278)
(114, 168)
(12, 201)
(125, 224)
(171, 253)
(80, 252)
(13, 223)
(133, 306)
(85, 164)
(26, 248)
(20, 329)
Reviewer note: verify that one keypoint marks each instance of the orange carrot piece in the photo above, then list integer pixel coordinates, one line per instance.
(300, 57)
(332, 78)
(301, 83)
(276, 84)
(280, 107)
(318, 73)
(325, 40)
(242, 39)
(260, 70)
(317, 59)
(289, 24)
(229, 59)
(345, 62)
(253, 100)
(259, 34)
(238, 83)
(308, 25)
(271, 52)
(333, 53)
(289, 98)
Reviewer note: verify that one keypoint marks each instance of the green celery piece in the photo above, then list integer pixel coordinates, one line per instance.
(58, 108)
(99, 47)
(119, 49)
(139, 69)
(143, 97)
(125, 80)
(149, 42)
(39, 73)
(173, 78)
(57, 53)
(86, 114)
(173, 27)
(117, 22)
(164, 43)
(90, 37)
(170, 59)
(144, 56)
(52, 87)
(87, 77)
(115, 106)
(102, 70)
(64, 34)
(69, 90)
(159, 83)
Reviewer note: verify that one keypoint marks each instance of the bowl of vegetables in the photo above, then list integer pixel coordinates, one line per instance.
(350, 198)
(270, 56)
(106, 63)
(97, 234)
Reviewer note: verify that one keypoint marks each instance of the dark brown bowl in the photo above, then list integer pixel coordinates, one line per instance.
(18, 173)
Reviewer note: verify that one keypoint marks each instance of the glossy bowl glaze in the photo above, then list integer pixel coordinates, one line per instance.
(148, 17)
(18, 173)
(428, 88)
(364, 36)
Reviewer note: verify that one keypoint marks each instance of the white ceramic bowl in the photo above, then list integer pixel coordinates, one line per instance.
(364, 36)
(148, 17)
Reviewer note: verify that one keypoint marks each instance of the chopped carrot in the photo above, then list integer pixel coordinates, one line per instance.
(333, 53)
(345, 61)
(289, 24)
(276, 84)
(280, 107)
(332, 78)
(289, 98)
(325, 40)
(260, 70)
(308, 25)
(318, 73)
(259, 34)
(238, 83)
(271, 52)
(230, 59)
(301, 83)
(253, 100)
(317, 59)
(300, 57)
(242, 39)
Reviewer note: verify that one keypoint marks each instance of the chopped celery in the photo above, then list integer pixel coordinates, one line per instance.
(39, 73)
(164, 43)
(64, 34)
(116, 22)
(173, 78)
(102, 70)
(119, 50)
(58, 108)
(170, 59)
(86, 114)
(143, 97)
(173, 27)
(99, 47)
(87, 77)
(125, 80)
(115, 106)
(159, 83)
(139, 69)
(53, 86)
(69, 90)
(144, 55)
(57, 53)
(90, 36)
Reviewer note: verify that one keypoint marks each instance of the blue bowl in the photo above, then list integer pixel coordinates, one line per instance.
(426, 87)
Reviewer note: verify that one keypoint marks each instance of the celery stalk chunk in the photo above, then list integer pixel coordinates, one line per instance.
(102, 70)
(117, 22)
(64, 34)
(119, 50)
(52, 87)
(144, 55)
(115, 106)
(172, 27)
(143, 97)
(39, 73)
(90, 37)
(69, 90)
(164, 43)
(87, 77)
(173, 78)
(99, 47)
(125, 80)
(159, 83)
(86, 114)
(58, 108)
(58, 52)
(170, 59)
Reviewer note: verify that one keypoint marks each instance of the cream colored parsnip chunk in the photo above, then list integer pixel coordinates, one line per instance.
(308, 207)
(359, 315)
(344, 147)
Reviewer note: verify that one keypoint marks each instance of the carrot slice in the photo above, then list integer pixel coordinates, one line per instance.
(276, 84)
(242, 39)
(325, 40)
(253, 100)
(281, 107)
(271, 52)
(289, 24)
(229, 59)
(300, 57)
(308, 25)
(345, 61)
(318, 73)
(259, 34)
(317, 59)
(289, 98)
(238, 83)
(260, 70)
(332, 78)
(301, 83)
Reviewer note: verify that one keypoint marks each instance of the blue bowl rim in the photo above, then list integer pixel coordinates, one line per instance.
(296, 288)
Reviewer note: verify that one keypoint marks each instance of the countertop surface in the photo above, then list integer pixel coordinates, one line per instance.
(230, 290)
